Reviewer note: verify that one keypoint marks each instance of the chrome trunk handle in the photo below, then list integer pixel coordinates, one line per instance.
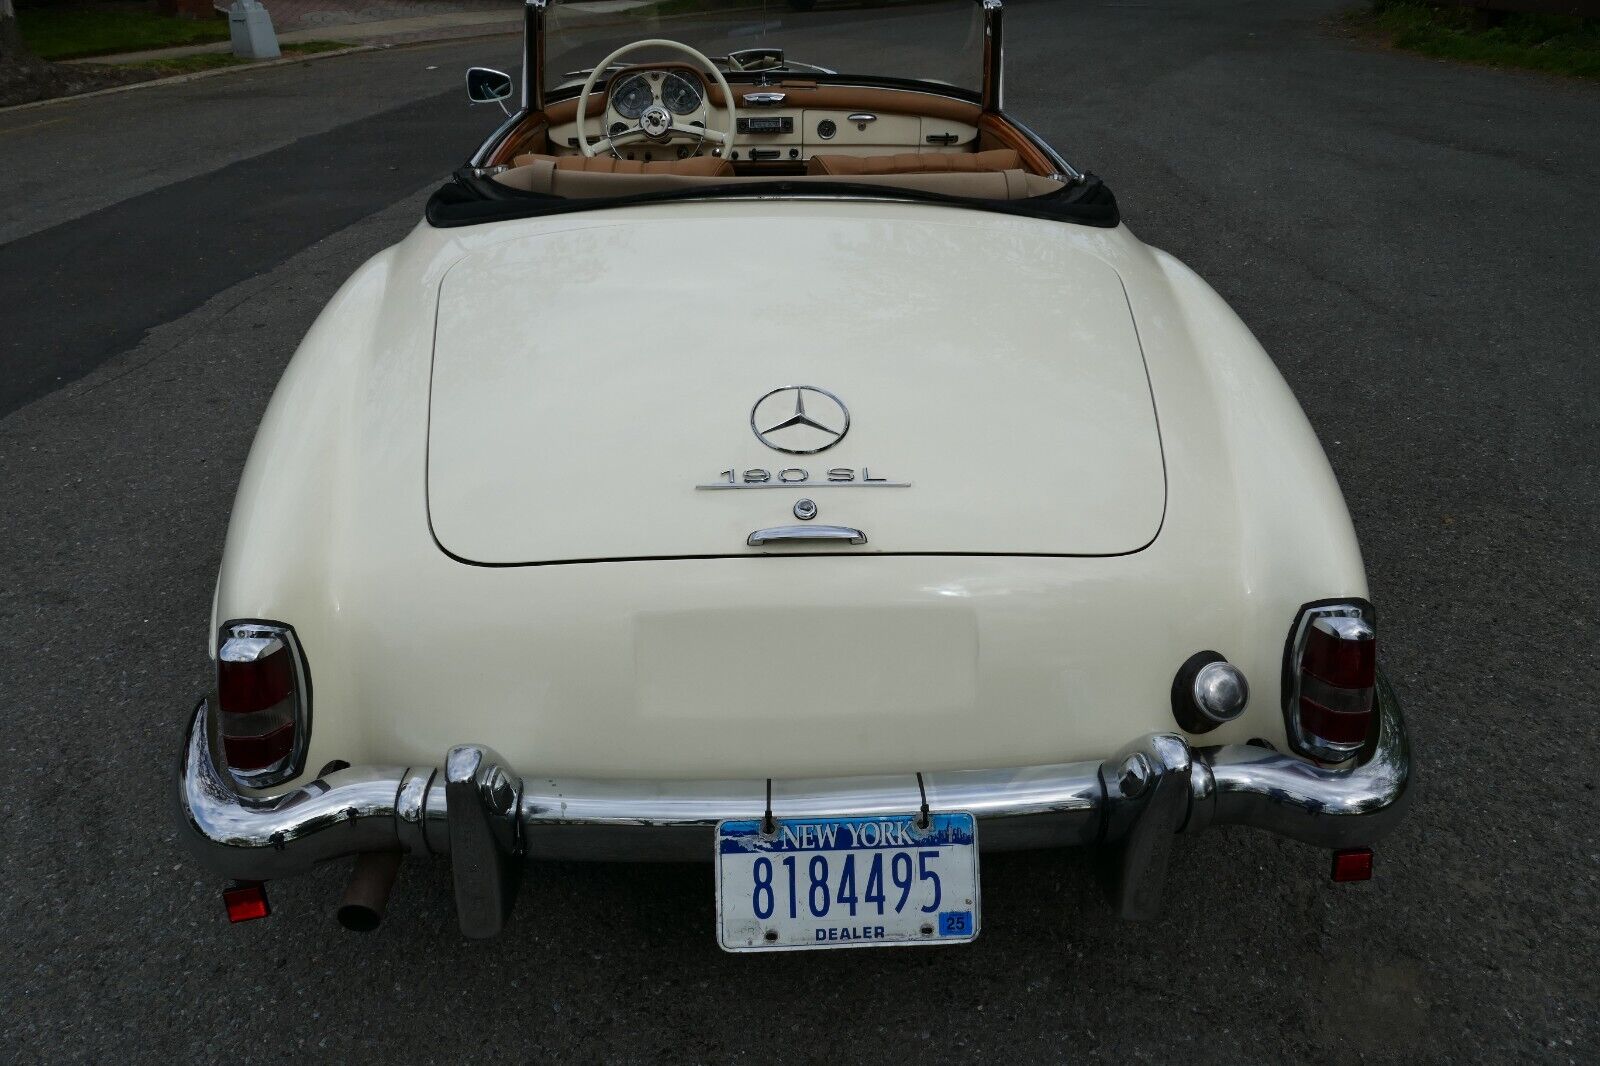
(800, 534)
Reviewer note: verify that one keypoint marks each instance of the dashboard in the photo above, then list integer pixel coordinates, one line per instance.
(773, 123)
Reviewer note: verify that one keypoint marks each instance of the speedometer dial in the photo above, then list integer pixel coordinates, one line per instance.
(631, 97)
(682, 94)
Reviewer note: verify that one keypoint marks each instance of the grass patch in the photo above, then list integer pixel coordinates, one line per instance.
(79, 32)
(1553, 44)
(213, 60)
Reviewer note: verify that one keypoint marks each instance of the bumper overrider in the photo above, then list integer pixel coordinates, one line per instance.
(488, 819)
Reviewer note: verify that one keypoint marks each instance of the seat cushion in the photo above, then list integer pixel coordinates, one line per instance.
(916, 163)
(703, 166)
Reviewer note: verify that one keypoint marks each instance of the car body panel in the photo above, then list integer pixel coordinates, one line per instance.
(767, 666)
(586, 379)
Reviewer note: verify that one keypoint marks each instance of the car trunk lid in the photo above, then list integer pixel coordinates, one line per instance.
(653, 388)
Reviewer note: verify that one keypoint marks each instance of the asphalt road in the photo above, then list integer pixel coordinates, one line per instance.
(1418, 244)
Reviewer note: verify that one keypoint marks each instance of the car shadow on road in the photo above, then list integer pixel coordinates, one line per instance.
(627, 954)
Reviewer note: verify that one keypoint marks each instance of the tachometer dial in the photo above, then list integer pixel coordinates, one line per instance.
(631, 97)
(682, 94)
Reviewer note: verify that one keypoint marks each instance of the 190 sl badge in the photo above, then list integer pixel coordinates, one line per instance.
(782, 421)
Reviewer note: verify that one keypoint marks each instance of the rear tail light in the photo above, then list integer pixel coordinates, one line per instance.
(261, 703)
(1332, 675)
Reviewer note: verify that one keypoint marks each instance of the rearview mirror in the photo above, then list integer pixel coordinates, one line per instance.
(487, 86)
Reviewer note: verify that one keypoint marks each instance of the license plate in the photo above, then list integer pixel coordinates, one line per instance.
(847, 882)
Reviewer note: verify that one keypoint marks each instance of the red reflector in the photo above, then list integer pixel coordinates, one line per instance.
(258, 753)
(1345, 662)
(1335, 727)
(1352, 864)
(246, 901)
(245, 687)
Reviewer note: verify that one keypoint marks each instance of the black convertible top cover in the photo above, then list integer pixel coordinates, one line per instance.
(470, 200)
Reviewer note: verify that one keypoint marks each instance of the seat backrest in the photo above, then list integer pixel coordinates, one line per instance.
(541, 177)
(916, 163)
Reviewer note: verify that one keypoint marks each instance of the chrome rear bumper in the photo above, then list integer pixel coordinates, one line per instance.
(487, 818)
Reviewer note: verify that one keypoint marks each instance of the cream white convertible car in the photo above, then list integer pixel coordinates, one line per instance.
(769, 452)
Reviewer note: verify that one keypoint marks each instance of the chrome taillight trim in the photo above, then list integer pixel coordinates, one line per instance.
(243, 640)
(1299, 741)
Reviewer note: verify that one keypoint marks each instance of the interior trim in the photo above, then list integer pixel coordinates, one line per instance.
(809, 94)
(532, 136)
(995, 131)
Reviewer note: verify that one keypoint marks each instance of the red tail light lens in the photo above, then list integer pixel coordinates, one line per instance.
(1332, 681)
(261, 703)
(256, 676)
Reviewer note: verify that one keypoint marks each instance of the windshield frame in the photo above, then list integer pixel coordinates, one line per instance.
(1081, 186)
(535, 96)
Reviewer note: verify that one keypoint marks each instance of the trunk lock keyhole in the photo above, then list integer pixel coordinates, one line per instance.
(805, 510)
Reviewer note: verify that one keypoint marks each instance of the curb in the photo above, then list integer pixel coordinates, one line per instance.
(177, 79)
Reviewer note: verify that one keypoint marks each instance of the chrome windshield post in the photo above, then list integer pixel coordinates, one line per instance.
(993, 57)
(533, 12)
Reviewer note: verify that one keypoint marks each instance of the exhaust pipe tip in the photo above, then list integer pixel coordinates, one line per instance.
(359, 918)
(366, 897)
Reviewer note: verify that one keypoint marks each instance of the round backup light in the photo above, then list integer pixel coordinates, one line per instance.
(1208, 691)
(1220, 691)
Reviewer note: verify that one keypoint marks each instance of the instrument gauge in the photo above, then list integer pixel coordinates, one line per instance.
(631, 97)
(682, 94)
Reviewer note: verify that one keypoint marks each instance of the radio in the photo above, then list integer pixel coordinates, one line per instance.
(767, 124)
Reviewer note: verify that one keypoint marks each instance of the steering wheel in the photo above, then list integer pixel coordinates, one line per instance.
(656, 123)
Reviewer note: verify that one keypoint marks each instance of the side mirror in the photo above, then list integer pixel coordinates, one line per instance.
(486, 86)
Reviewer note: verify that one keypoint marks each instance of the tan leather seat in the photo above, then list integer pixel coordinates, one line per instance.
(542, 176)
(916, 163)
(702, 166)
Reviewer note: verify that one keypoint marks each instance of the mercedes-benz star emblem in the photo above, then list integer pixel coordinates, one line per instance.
(782, 421)
(656, 122)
